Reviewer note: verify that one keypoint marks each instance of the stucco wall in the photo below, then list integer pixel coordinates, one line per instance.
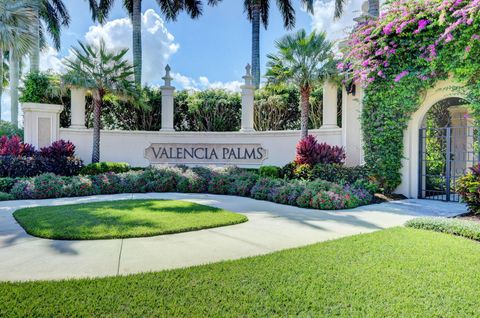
(129, 146)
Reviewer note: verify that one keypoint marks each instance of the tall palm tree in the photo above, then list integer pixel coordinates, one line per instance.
(54, 15)
(170, 8)
(16, 19)
(304, 60)
(258, 13)
(102, 72)
(373, 8)
(3, 75)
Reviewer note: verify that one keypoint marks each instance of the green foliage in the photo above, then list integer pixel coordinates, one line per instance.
(41, 88)
(399, 272)
(104, 167)
(269, 171)
(5, 196)
(125, 218)
(233, 181)
(468, 187)
(401, 55)
(8, 129)
(210, 110)
(468, 229)
(6, 184)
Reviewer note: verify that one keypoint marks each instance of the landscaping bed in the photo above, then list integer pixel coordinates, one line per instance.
(317, 194)
(122, 219)
(398, 272)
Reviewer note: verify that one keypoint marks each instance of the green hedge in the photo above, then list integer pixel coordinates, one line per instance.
(316, 194)
(104, 167)
(468, 229)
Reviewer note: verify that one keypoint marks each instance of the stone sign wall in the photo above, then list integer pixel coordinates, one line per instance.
(205, 153)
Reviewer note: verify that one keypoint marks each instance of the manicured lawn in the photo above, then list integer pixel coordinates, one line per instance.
(122, 219)
(400, 272)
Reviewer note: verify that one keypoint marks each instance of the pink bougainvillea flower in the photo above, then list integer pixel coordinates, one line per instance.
(401, 75)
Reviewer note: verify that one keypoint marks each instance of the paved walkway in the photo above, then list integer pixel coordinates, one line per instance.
(271, 227)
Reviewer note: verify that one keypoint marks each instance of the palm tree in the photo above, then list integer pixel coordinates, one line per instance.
(55, 15)
(373, 8)
(169, 8)
(3, 75)
(304, 60)
(102, 72)
(16, 19)
(257, 13)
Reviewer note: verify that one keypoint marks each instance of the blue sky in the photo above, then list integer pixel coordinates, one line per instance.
(209, 52)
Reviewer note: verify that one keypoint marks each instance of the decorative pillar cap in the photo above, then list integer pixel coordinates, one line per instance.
(167, 78)
(248, 77)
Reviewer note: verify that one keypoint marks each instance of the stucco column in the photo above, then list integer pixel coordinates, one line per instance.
(77, 108)
(41, 123)
(248, 97)
(167, 102)
(329, 105)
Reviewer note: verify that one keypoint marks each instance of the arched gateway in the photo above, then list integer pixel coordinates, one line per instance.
(438, 145)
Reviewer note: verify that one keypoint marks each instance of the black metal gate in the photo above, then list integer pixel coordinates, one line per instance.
(445, 154)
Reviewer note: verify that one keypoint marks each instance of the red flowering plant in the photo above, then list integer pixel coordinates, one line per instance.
(15, 147)
(310, 152)
(413, 44)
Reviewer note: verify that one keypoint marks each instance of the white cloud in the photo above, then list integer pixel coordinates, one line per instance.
(322, 19)
(157, 42)
(5, 106)
(50, 60)
(185, 82)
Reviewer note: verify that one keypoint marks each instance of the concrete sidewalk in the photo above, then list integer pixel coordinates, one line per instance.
(271, 227)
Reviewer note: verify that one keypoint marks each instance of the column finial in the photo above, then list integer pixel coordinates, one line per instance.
(167, 78)
(248, 75)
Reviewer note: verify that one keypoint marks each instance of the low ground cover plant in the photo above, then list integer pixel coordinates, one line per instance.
(465, 228)
(317, 194)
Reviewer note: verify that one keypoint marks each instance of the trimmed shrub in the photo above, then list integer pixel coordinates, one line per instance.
(468, 229)
(317, 194)
(220, 183)
(243, 183)
(266, 188)
(338, 173)
(79, 186)
(104, 167)
(269, 171)
(6, 196)
(289, 193)
(6, 184)
(191, 182)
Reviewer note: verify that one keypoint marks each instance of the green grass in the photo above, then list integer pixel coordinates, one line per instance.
(399, 272)
(121, 219)
(465, 228)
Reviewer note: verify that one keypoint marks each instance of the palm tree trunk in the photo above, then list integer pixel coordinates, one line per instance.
(14, 75)
(256, 44)
(304, 107)
(1, 81)
(137, 40)
(97, 111)
(35, 52)
(374, 8)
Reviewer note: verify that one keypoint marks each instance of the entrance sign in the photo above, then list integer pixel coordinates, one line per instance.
(211, 153)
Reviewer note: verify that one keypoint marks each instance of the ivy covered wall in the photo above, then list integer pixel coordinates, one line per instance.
(409, 48)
